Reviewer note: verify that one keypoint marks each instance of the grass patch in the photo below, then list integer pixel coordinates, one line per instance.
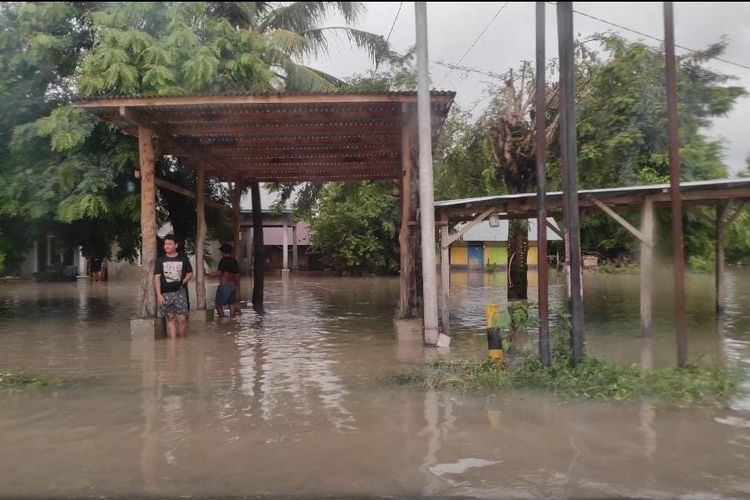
(594, 378)
(20, 381)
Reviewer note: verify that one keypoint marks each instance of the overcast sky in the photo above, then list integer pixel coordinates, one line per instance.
(454, 36)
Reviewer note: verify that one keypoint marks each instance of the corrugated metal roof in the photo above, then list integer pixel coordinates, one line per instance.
(647, 189)
(524, 204)
(81, 98)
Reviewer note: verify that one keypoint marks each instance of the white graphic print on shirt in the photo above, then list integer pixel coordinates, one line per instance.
(173, 271)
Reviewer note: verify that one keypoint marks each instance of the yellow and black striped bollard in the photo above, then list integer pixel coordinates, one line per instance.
(494, 336)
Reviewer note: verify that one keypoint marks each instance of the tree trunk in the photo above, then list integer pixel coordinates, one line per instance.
(259, 264)
(518, 249)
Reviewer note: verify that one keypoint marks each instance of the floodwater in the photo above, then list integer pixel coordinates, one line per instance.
(294, 402)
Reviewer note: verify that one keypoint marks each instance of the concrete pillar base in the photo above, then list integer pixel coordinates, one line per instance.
(148, 327)
(443, 340)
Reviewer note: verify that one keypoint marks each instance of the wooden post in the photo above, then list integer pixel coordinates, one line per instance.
(249, 247)
(295, 257)
(647, 265)
(285, 247)
(258, 254)
(407, 306)
(148, 221)
(445, 276)
(200, 238)
(237, 220)
(721, 208)
(49, 250)
(36, 257)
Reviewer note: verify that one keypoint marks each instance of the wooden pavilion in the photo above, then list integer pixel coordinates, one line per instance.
(245, 139)
(613, 202)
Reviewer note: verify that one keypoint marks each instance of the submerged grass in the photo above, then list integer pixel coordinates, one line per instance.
(593, 379)
(11, 382)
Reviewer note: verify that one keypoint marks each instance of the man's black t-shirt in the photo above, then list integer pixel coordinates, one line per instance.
(229, 265)
(173, 271)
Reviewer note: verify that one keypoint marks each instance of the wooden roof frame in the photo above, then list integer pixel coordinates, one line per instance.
(521, 206)
(280, 137)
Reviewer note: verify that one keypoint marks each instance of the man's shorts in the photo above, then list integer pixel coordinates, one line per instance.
(225, 294)
(175, 302)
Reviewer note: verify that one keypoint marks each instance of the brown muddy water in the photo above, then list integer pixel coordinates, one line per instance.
(294, 402)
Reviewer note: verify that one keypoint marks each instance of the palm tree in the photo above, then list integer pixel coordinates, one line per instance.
(293, 31)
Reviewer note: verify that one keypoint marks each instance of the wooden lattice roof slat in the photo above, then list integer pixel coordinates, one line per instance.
(292, 137)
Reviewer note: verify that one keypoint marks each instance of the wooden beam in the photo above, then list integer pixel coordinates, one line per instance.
(186, 192)
(554, 229)
(468, 226)
(643, 238)
(166, 136)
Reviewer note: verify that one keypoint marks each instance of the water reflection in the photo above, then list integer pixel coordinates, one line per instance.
(292, 402)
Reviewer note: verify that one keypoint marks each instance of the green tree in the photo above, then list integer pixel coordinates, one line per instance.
(62, 165)
(356, 228)
(464, 161)
(622, 133)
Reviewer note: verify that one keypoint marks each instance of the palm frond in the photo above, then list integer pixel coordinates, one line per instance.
(303, 79)
(376, 45)
(297, 16)
(291, 43)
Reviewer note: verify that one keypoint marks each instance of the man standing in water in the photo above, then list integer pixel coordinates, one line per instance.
(171, 276)
(229, 280)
